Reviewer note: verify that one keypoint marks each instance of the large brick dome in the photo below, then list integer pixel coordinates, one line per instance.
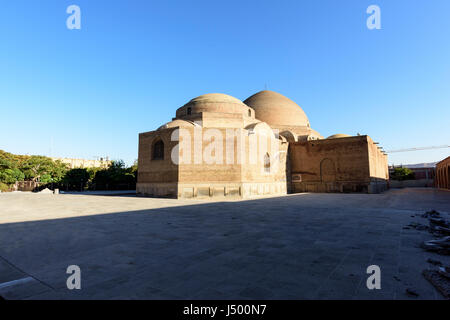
(276, 109)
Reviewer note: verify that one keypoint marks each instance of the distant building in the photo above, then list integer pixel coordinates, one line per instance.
(423, 173)
(421, 170)
(443, 174)
(84, 163)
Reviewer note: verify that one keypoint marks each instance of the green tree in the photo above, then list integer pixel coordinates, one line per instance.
(9, 171)
(6, 164)
(3, 187)
(58, 171)
(117, 175)
(36, 166)
(10, 176)
(77, 177)
(46, 178)
(402, 174)
(14, 160)
(40, 168)
(134, 168)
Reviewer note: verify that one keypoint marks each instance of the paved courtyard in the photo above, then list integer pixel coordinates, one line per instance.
(302, 246)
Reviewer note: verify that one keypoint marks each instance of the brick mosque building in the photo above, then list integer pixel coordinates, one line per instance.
(219, 146)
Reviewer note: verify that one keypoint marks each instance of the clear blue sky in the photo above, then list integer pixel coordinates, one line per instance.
(89, 92)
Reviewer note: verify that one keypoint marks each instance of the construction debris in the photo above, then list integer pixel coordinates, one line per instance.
(440, 228)
(417, 226)
(434, 262)
(439, 281)
(438, 222)
(432, 213)
(411, 292)
(46, 190)
(441, 246)
(445, 272)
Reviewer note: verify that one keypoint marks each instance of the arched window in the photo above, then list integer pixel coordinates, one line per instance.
(448, 177)
(249, 112)
(158, 150)
(267, 163)
(189, 110)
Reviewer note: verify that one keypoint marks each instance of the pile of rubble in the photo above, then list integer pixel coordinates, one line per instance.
(440, 228)
(439, 276)
(417, 226)
(440, 279)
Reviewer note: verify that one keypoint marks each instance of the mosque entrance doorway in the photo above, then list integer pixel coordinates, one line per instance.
(327, 171)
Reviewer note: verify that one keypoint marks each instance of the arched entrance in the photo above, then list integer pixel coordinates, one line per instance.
(327, 171)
